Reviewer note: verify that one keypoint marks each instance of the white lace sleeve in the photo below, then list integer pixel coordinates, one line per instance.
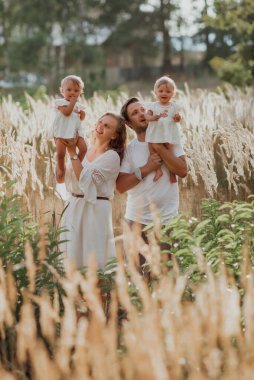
(97, 176)
(101, 171)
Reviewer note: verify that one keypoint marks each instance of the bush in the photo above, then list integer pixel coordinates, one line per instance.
(21, 241)
(232, 70)
(220, 236)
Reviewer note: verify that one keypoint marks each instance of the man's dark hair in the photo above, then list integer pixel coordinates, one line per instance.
(123, 111)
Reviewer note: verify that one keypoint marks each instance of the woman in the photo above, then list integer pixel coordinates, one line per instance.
(88, 216)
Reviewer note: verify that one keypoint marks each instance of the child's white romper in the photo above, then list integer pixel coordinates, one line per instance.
(164, 130)
(67, 127)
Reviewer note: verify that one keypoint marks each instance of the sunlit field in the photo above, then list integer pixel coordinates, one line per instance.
(188, 314)
(217, 133)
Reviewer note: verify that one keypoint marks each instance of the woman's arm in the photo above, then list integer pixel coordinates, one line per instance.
(174, 164)
(76, 164)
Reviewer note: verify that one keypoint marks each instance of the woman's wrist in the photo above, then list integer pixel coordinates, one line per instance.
(74, 157)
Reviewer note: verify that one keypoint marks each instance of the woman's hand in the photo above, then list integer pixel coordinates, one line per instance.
(71, 150)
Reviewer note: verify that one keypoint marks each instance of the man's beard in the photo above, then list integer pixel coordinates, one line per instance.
(141, 129)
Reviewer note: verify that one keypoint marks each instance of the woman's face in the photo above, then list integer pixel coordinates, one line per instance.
(105, 129)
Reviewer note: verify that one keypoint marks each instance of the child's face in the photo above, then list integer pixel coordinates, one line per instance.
(70, 90)
(164, 93)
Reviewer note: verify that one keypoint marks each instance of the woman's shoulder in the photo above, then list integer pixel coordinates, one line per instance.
(112, 154)
(109, 156)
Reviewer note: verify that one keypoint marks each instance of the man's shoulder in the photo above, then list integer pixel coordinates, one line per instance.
(133, 142)
(132, 145)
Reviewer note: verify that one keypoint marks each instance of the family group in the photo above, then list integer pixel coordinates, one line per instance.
(146, 168)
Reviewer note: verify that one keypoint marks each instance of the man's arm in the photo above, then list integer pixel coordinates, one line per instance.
(174, 164)
(127, 181)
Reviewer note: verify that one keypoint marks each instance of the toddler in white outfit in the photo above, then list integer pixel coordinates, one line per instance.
(163, 116)
(67, 122)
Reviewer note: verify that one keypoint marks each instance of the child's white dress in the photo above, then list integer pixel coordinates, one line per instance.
(66, 127)
(164, 130)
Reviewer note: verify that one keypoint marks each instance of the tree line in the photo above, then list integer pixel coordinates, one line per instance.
(52, 37)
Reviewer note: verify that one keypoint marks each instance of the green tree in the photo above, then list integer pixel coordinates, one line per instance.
(236, 19)
(141, 27)
(217, 41)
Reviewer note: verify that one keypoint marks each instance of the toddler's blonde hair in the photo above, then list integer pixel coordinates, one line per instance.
(74, 79)
(165, 80)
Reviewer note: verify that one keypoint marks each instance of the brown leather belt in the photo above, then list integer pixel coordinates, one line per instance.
(82, 196)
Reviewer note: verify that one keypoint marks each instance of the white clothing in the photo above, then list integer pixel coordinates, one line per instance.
(88, 220)
(164, 130)
(162, 193)
(66, 127)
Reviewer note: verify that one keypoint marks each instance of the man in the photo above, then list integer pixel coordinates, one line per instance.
(137, 172)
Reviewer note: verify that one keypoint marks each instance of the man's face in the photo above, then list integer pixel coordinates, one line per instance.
(137, 120)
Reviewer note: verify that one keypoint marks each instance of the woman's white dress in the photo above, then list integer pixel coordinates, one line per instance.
(88, 220)
(66, 127)
(165, 130)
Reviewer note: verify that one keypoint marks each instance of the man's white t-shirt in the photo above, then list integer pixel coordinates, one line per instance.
(163, 194)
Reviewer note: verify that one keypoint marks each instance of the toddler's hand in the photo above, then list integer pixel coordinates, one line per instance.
(177, 117)
(164, 114)
(82, 114)
(73, 99)
(155, 117)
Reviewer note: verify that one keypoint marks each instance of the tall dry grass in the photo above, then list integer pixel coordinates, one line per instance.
(217, 132)
(166, 337)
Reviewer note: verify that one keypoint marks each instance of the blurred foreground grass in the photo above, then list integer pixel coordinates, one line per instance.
(189, 317)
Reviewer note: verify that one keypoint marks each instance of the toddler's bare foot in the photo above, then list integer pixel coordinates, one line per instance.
(60, 175)
(158, 174)
(172, 177)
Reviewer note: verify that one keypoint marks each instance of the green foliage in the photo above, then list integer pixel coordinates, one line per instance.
(235, 19)
(16, 231)
(219, 236)
(232, 70)
(26, 51)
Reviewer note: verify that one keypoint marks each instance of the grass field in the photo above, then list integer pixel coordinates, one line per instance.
(191, 317)
(217, 134)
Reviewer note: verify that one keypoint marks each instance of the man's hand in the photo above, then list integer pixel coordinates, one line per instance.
(127, 181)
(153, 163)
(174, 164)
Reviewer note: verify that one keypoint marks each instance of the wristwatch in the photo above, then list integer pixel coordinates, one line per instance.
(138, 174)
(75, 157)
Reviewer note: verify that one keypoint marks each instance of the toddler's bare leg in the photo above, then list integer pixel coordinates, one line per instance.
(172, 176)
(158, 172)
(60, 156)
(82, 148)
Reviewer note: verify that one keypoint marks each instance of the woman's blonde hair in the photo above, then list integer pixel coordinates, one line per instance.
(165, 80)
(74, 79)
